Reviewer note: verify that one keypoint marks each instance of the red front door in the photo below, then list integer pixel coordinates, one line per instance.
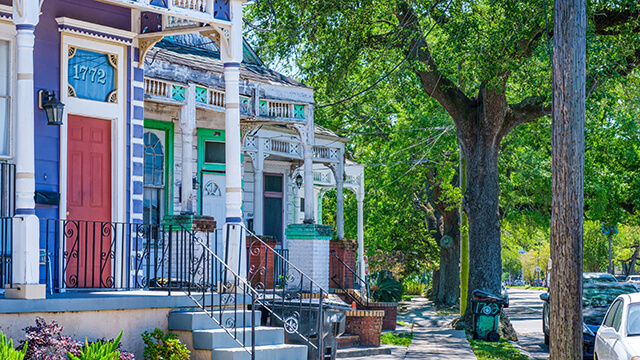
(88, 233)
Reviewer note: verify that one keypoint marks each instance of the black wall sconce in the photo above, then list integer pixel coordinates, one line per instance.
(299, 181)
(52, 107)
(195, 183)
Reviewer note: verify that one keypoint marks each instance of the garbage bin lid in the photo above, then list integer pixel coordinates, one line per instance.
(482, 295)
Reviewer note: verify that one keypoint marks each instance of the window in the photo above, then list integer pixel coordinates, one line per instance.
(214, 152)
(617, 316)
(608, 321)
(5, 96)
(153, 161)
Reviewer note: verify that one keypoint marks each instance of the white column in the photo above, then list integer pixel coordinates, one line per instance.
(187, 126)
(308, 141)
(26, 234)
(360, 200)
(231, 57)
(339, 174)
(258, 183)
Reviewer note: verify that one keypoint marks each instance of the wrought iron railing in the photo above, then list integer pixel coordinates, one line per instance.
(6, 250)
(89, 255)
(291, 298)
(7, 189)
(285, 296)
(348, 281)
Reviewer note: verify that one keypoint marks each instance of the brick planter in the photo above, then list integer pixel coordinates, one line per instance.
(347, 341)
(390, 313)
(367, 324)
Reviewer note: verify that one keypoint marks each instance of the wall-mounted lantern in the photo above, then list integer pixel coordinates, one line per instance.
(299, 181)
(195, 183)
(52, 107)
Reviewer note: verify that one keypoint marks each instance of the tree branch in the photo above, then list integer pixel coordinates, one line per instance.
(527, 110)
(606, 19)
(441, 88)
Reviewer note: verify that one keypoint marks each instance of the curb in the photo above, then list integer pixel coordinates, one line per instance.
(522, 350)
(363, 351)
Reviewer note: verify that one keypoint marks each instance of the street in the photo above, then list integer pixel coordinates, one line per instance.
(525, 312)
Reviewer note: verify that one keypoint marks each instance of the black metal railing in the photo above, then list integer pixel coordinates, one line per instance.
(285, 296)
(348, 281)
(6, 250)
(89, 255)
(290, 297)
(7, 189)
(218, 289)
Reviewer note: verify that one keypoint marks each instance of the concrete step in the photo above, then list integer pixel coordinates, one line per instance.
(266, 352)
(220, 339)
(199, 320)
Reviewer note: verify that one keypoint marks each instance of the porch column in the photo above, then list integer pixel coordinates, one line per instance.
(231, 55)
(258, 181)
(308, 140)
(187, 126)
(339, 174)
(360, 200)
(26, 234)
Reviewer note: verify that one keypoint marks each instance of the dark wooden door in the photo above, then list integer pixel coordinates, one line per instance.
(273, 206)
(89, 251)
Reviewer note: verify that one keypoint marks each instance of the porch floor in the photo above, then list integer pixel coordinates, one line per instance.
(100, 300)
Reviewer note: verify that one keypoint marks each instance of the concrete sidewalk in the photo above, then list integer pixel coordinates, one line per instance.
(433, 337)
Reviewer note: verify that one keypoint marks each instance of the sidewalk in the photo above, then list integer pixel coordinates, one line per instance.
(433, 337)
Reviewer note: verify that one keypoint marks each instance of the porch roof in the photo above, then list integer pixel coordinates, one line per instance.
(196, 52)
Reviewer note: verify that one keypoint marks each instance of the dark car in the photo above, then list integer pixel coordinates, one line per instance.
(593, 277)
(596, 298)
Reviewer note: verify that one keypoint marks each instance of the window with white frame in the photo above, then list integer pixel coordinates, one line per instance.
(5, 96)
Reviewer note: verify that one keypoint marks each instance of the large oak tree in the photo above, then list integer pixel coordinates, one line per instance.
(486, 62)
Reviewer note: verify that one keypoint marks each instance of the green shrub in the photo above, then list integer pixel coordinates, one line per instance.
(385, 288)
(412, 287)
(99, 350)
(7, 352)
(396, 338)
(161, 346)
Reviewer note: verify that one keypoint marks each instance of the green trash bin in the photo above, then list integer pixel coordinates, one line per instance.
(486, 315)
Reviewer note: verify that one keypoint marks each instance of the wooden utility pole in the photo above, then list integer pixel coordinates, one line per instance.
(567, 140)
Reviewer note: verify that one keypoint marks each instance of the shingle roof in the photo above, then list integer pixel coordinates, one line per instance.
(198, 52)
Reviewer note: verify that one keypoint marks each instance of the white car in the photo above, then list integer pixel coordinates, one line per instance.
(619, 335)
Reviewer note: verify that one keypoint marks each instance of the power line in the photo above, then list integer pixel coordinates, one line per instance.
(415, 47)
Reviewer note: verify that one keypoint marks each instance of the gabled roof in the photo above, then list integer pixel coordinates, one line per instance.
(199, 52)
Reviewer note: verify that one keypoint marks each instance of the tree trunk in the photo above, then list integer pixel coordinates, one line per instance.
(567, 140)
(481, 206)
(449, 284)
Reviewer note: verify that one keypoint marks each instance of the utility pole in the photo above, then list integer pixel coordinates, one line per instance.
(567, 141)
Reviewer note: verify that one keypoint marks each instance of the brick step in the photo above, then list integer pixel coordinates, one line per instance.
(348, 340)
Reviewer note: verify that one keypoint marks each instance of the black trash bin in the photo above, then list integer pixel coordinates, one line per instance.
(486, 315)
(302, 315)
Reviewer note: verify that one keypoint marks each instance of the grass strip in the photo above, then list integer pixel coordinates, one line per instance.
(396, 338)
(502, 350)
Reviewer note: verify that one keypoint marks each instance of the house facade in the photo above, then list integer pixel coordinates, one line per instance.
(118, 117)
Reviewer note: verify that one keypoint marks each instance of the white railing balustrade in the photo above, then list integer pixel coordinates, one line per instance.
(280, 146)
(279, 109)
(157, 88)
(216, 98)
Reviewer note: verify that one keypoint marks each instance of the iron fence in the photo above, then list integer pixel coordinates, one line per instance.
(6, 250)
(7, 189)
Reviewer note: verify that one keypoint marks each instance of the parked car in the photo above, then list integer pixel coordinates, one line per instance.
(633, 279)
(588, 278)
(620, 277)
(618, 337)
(596, 298)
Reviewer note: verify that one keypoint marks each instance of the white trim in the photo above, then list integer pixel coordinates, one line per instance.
(116, 112)
(90, 27)
(8, 10)
(8, 33)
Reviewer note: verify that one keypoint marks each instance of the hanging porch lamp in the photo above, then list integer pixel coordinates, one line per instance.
(53, 108)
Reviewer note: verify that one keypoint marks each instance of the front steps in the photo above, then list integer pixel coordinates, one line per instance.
(208, 341)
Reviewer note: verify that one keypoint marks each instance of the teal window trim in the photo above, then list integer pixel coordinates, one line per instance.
(205, 135)
(168, 128)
